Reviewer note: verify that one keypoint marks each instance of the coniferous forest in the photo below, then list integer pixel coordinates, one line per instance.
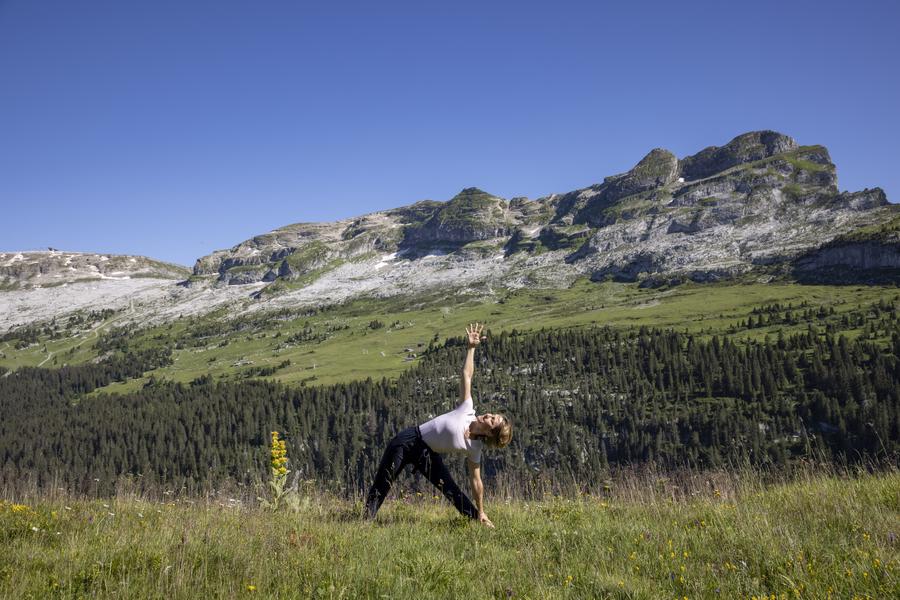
(581, 400)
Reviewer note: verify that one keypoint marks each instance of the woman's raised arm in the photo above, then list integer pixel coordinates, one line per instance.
(473, 338)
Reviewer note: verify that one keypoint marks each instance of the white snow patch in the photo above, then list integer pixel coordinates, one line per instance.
(386, 260)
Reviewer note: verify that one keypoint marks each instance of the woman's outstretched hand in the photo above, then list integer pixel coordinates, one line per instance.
(483, 519)
(473, 335)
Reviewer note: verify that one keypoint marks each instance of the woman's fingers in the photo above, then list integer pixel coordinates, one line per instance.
(475, 328)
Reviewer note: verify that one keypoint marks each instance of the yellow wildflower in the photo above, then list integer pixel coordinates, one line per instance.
(279, 455)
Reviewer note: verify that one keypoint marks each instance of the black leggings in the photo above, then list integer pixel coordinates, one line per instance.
(406, 448)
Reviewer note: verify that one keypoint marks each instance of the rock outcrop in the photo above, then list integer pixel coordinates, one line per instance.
(745, 148)
(56, 267)
(869, 254)
(655, 170)
(758, 202)
(865, 256)
(472, 215)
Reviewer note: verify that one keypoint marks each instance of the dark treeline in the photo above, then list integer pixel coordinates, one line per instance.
(580, 401)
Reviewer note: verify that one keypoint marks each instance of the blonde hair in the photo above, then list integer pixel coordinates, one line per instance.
(500, 435)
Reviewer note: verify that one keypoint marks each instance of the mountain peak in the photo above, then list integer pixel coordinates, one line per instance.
(472, 214)
(472, 192)
(657, 168)
(747, 147)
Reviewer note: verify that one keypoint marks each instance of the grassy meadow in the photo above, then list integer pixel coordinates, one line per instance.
(703, 535)
(712, 535)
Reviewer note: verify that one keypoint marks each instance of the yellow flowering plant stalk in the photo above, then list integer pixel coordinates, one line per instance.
(278, 482)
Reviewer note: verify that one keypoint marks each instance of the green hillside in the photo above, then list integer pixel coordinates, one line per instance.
(788, 383)
(377, 338)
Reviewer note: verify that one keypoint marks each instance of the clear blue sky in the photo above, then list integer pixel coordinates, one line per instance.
(174, 128)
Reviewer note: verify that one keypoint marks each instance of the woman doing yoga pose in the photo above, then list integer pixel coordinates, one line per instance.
(458, 431)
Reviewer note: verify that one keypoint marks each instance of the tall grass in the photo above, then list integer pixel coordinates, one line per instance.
(638, 535)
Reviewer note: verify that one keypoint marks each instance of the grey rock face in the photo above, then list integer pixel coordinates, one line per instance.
(855, 255)
(758, 201)
(759, 204)
(745, 148)
(56, 267)
(557, 238)
(646, 262)
(713, 190)
(472, 215)
(655, 170)
(864, 200)
(246, 275)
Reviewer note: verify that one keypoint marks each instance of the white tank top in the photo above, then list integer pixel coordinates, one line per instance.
(446, 433)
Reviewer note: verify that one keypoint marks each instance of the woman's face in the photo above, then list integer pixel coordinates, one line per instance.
(491, 420)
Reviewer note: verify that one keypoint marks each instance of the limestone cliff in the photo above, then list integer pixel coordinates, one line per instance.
(759, 202)
(760, 205)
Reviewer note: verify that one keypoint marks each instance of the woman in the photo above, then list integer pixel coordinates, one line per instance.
(458, 431)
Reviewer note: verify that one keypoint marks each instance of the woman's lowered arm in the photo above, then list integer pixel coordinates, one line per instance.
(478, 492)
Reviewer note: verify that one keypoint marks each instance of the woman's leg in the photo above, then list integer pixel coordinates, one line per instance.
(431, 465)
(396, 456)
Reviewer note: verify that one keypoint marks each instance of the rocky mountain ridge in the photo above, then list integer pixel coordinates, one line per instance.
(761, 200)
(760, 205)
(56, 267)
